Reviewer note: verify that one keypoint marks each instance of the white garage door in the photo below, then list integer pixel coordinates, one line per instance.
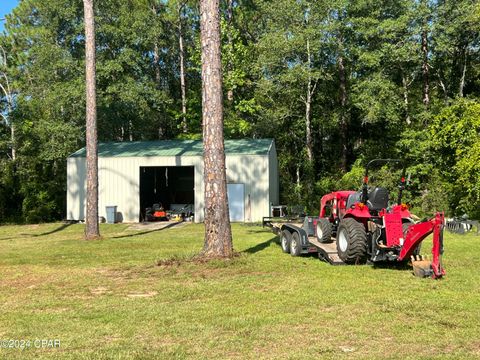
(236, 202)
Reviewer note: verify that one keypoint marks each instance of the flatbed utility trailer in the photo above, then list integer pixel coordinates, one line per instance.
(302, 232)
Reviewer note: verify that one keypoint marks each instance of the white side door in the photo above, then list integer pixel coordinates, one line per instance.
(236, 201)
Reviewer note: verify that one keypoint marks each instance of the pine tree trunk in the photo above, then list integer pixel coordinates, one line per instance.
(308, 127)
(12, 137)
(157, 69)
(156, 64)
(297, 176)
(343, 113)
(130, 130)
(308, 106)
(9, 104)
(444, 88)
(156, 53)
(218, 236)
(464, 71)
(182, 69)
(91, 220)
(230, 44)
(425, 70)
(405, 100)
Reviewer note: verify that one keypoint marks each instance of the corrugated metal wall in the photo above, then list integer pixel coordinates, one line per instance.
(119, 179)
(251, 170)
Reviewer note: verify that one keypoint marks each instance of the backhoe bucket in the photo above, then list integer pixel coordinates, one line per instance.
(422, 267)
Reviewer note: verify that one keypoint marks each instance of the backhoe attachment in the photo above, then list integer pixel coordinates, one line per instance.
(414, 236)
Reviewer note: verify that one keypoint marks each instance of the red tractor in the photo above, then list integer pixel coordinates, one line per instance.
(366, 227)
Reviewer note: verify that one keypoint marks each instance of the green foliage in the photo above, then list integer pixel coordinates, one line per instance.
(434, 196)
(273, 55)
(455, 141)
(10, 199)
(353, 179)
(46, 44)
(378, 99)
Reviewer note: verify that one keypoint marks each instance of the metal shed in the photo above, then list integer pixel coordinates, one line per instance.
(135, 175)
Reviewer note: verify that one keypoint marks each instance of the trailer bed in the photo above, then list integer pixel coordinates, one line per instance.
(326, 251)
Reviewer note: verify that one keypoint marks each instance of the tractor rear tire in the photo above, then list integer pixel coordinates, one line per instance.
(295, 244)
(324, 230)
(352, 241)
(285, 239)
(405, 227)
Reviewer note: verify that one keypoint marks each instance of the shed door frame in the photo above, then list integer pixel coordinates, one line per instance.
(170, 183)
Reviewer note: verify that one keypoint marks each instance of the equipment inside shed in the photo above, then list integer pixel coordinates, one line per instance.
(165, 191)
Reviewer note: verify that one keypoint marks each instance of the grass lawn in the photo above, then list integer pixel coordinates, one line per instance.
(108, 299)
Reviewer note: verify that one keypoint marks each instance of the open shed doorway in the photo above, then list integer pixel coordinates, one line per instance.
(170, 186)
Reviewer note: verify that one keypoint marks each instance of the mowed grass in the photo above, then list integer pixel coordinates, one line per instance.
(108, 299)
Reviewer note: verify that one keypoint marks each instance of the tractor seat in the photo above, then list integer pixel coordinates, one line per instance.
(377, 199)
(353, 198)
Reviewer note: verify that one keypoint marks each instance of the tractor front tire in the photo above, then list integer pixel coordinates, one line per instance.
(324, 230)
(285, 239)
(352, 241)
(295, 244)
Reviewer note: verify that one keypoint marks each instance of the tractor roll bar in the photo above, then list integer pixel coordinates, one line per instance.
(401, 187)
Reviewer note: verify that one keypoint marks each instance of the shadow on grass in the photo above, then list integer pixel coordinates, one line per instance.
(392, 265)
(261, 246)
(147, 232)
(259, 231)
(7, 238)
(60, 228)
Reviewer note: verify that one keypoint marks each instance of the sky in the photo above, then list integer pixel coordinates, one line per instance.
(6, 7)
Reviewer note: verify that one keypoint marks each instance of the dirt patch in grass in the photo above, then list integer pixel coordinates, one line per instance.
(169, 262)
(132, 273)
(24, 278)
(199, 259)
(476, 347)
(178, 266)
(142, 295)
(112, 338)
(101, 290)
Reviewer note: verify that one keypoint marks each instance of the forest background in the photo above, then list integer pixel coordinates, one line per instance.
(335, 83)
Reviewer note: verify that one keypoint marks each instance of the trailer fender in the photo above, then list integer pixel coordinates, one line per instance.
(301, 233)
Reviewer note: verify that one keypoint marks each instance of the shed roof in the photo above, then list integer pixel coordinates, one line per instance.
(177, 148)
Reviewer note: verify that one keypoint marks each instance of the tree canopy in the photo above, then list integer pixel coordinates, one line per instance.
(335, 83)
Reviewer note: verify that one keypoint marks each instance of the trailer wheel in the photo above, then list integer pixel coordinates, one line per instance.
(295, 244)
(352, 241)
(285, 240)
(405, 227)
(324, 230)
